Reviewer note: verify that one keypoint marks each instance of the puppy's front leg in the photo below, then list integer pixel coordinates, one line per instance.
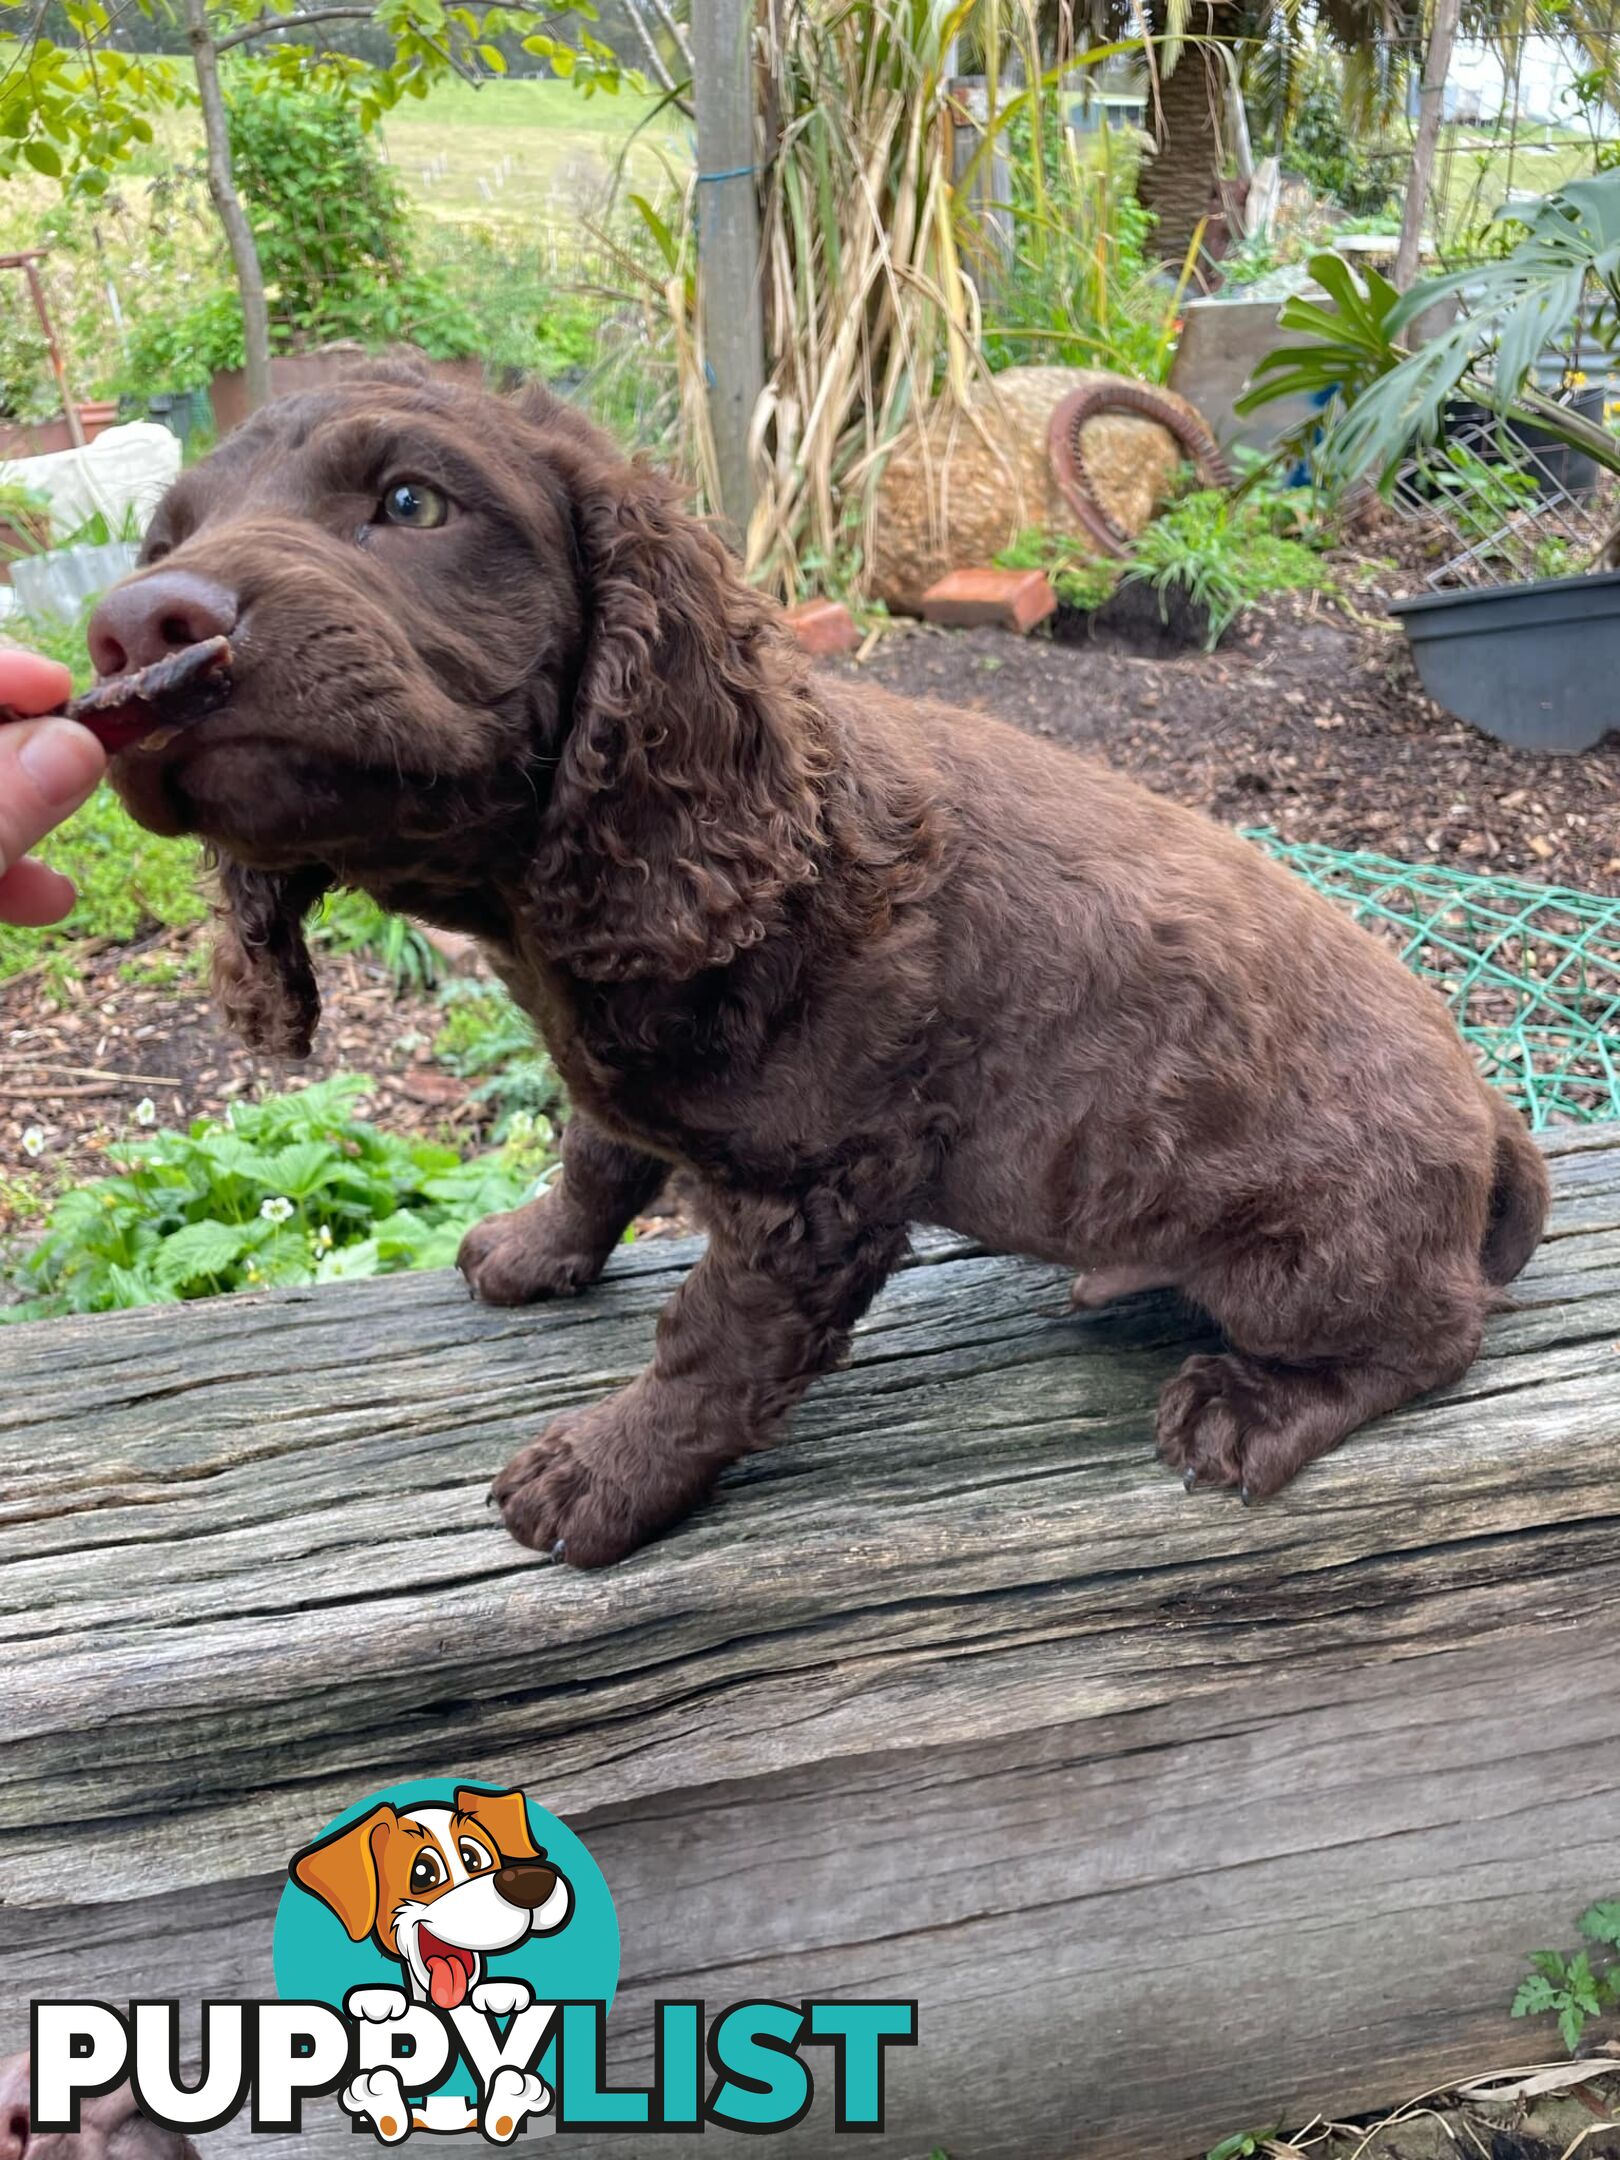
(563, 1240)
(769, 1306)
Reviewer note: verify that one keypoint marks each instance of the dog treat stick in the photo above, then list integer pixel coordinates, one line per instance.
(104, 708)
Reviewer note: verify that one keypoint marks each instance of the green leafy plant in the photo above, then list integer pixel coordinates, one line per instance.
(127, 880)
(336, 243)
(1382, 400)
(1572, 1989)
(1223, 553)
(1242, 2145)
(352, 922)
(1087, 290)
(294, 1189)
(1079, 580)
(485, 1037)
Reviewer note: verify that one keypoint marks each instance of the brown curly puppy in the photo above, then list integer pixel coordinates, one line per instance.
(847, 961)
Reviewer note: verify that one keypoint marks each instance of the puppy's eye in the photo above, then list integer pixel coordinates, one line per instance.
(427, 1873)
(413, 503)
(473, 1857)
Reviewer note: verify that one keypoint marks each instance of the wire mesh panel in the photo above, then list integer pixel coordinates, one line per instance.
(1503, 507)
(1531, 972)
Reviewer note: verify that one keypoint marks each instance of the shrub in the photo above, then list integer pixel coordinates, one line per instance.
(294, 1189)
(1223, 553)
(335, 239)
(486, 1037)
(1079, 580)
(352, 922)
(1083, 287)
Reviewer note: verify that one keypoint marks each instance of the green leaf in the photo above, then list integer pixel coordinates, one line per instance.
(200, 1250)
(660, 230)
(303, 1168)
(1571, 2024)
(1535, 1996)
(1601, 1922)
(43, 159)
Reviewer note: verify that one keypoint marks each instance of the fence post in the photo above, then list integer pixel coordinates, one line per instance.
(728, 241)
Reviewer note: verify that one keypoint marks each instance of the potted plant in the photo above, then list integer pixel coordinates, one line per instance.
(1531, 661)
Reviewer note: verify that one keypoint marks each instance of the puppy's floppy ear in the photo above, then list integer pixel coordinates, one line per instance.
(504, 1816)
(341, 1870)
(262, 976)
(687, 801)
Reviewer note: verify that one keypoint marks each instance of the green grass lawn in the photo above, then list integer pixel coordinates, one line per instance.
(536, 154)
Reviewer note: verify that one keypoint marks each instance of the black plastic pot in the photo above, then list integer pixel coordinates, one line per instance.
(1536, 665)
(1557, 463)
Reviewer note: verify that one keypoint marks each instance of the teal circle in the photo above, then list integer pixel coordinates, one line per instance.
(315, 1961)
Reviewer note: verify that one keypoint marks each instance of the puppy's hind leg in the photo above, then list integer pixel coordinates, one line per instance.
(562, 1241)
(1253, 1416)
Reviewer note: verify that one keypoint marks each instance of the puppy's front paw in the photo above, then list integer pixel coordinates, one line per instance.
(377, 2005)
(501, 1998)
(525, 1255)
(513, 2096)
(556, 1496)
(599, 1482)
(379, 2097)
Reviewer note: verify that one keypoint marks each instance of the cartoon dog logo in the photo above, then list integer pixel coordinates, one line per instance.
(441, 1890)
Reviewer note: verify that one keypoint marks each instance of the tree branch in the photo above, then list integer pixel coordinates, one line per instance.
(266, 23)
(649, 45)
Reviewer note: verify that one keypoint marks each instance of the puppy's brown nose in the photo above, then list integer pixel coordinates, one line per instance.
(152, 616)
(526, 1884)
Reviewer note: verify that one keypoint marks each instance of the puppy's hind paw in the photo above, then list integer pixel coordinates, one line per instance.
(1209, 1415)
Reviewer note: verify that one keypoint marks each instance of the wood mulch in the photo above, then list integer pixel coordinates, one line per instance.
(1303, 720)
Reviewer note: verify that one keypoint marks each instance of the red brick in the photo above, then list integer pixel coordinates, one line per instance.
(1006, 599)
(824, 626)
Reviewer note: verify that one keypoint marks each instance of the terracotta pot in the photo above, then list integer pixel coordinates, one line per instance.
(96, 415)
(40, 437)
(34, 438)
(292, 372)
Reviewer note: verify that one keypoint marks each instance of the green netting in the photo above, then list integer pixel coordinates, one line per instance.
(1532, 972)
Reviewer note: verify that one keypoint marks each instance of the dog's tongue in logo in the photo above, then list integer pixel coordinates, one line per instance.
(449, 1970)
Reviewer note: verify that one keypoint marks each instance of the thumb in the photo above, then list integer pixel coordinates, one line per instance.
(47, 768)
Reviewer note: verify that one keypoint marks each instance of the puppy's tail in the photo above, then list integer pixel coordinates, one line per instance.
(1520, 1197)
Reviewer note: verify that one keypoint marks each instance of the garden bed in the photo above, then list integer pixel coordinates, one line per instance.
(1304, 720)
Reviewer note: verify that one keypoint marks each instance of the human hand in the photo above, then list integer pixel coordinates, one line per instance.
(47, 768)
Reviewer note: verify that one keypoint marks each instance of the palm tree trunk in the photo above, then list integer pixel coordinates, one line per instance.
(228, 203)
(1178, 184)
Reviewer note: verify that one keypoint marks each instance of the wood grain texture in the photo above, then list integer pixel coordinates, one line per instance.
(1176, 1816)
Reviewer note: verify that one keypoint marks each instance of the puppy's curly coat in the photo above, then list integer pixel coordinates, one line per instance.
(847, 961)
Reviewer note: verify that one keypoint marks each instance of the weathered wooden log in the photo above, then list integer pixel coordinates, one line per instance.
(1175, 1816)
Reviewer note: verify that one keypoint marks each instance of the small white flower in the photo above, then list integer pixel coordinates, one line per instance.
(33, 1141)
(323, 1237)
(146, 1111)
(277, 1210)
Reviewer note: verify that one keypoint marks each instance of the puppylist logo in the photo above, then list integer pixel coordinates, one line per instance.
(445, 1957)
